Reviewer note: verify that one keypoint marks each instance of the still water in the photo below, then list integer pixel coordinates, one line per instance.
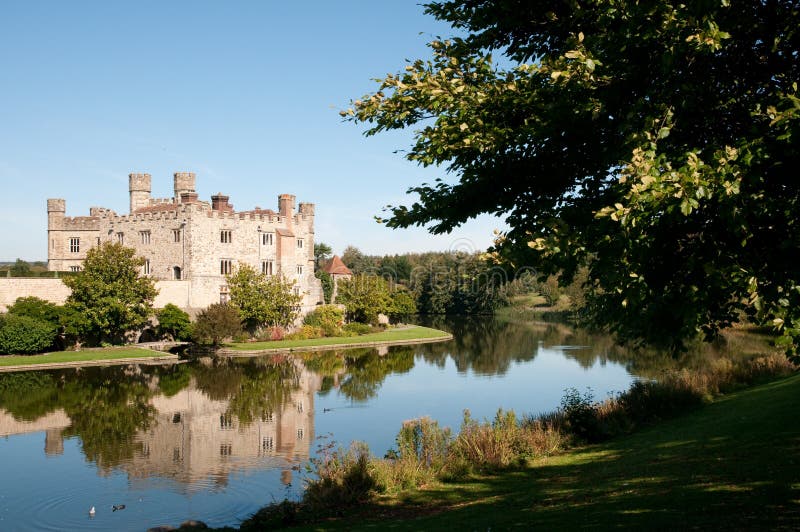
(214, 440)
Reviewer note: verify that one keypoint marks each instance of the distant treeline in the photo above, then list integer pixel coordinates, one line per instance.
(22, 268)
(443, 282)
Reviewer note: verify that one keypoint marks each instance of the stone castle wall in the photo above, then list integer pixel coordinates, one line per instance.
(11, 288)
(184, 239)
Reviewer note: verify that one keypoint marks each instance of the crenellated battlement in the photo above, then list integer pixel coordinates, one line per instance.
(186, 239)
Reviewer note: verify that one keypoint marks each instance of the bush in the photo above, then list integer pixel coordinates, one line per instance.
(356, 329)
(174, 323)
(402, 305)
(329, 318)
(306, 332)
(24, 335)
(36, 308)
(343, 478)
(217, 322)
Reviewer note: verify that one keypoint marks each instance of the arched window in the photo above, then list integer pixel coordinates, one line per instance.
(176, 273)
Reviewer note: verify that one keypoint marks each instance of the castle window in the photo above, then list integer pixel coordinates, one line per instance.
(299, 243)
(176, 235)
(146, 267)
(299, 407)
(176, 273)
(98, 240)
(145, 235)
(74, 268)
(225, 449)
(267, 239)
(74, 245)
(267, 444)
(301, 434)
(266, 267)
(225, 236)
(176, 418)
(268, 417)
(225, 266)
(121, 238)
(225, 422)
(224, 295)
(299, 270)
(296, 290)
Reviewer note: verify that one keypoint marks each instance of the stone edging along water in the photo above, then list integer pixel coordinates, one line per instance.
(233, 353)
(159, 360)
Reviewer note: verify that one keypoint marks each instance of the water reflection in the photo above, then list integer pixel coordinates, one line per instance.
(191, 424)
(232, 432)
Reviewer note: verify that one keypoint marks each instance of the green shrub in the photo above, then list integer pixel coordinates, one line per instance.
(329, 318)
(24, 335)
(402, 305)
(215, 323)
(306, 332)
(174, 323)
(343, 478)
(36, 308)
(357, 329)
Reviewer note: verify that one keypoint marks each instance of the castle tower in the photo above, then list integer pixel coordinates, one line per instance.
(139, 187)
(286, 205)
(56, 209)
(184, 184)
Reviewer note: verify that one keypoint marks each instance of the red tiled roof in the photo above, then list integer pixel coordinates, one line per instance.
(335, 266)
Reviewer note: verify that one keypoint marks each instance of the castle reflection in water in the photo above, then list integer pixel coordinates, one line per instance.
(195, 440)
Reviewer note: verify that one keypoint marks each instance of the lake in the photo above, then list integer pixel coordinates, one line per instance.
(216, 439)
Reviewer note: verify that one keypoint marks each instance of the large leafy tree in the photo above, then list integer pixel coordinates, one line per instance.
(364, 296)
(654, 142)
(263, 300)
(109, 294)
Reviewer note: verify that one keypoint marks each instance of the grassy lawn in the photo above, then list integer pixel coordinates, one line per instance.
(392, 335)
(734, 464)
(111, 353)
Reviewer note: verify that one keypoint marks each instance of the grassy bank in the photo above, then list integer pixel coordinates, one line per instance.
(88, 355)
(734, 464)
(392, 335)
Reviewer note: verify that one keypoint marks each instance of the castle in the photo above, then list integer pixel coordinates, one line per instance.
(189, 245)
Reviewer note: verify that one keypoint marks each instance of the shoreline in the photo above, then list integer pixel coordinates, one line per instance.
(409, 335)
(161, 357)
(157, 358)
(234, 353)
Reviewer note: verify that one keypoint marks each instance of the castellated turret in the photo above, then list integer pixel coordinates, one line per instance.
(139, 187)
(184, 184)
(306, 209)
(56, 209)
(286, 205)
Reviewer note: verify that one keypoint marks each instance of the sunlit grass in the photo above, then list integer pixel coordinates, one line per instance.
(90, 355)
(391, 335)
(729, 465)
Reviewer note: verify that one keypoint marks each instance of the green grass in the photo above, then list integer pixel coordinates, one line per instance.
(110, 353)
(392, 335)
(734, 464)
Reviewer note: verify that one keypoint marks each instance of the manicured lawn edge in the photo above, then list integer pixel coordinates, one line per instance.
(407, 335)
(88, 357)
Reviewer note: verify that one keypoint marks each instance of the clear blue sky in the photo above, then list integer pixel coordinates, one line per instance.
(245, 94)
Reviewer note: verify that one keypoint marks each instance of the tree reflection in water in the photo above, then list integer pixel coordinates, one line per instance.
(111, 409)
